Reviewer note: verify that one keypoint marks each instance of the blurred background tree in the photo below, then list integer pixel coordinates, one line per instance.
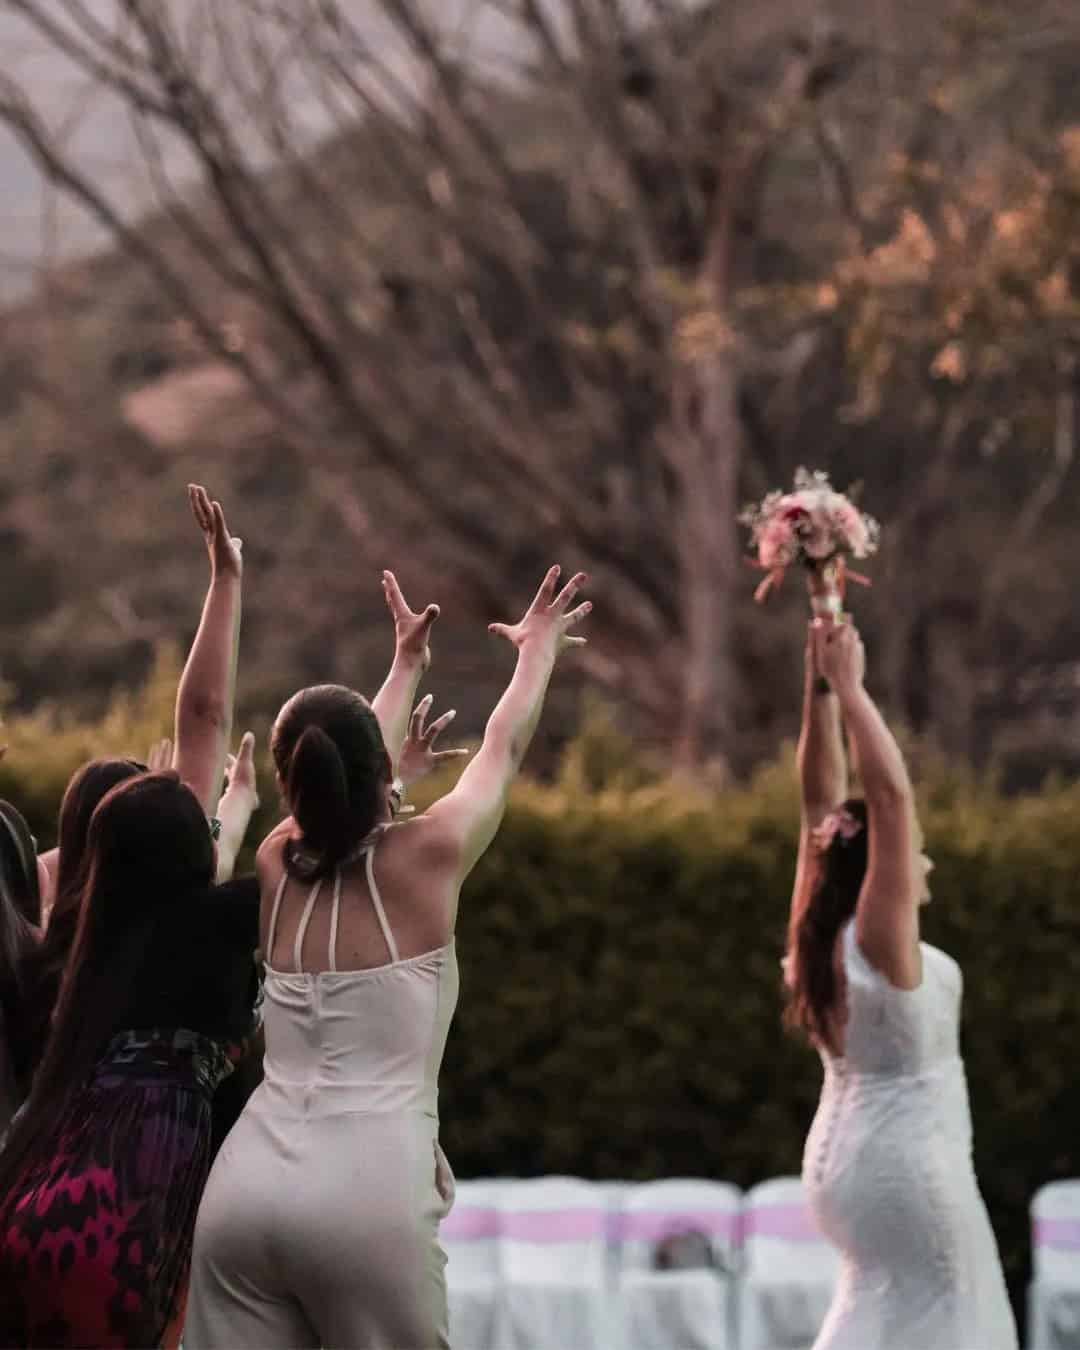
(561, 281)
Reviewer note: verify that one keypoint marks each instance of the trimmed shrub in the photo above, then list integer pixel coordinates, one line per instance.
(620, 947)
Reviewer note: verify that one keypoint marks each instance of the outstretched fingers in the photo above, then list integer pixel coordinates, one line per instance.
(221, 530)
(395, 600)
(416, 722)
(576, 615)
(566, 596)
(437, 727)
(546, 594)
(200, 507)
(569, 620)
(419, 625)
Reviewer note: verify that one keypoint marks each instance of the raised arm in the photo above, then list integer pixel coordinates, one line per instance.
(204, 700)
(821, 761)
(393, 704)
(823, 774)
(887, 917)
(465, 821)
(238, 804)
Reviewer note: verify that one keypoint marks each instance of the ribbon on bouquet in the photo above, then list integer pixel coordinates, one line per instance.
(775, 577)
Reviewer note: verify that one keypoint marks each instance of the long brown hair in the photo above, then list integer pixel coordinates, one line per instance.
(329, 753)
(45, 965)
(148, 849)
(810, 974)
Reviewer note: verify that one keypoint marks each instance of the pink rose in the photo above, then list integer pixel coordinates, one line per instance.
(776, 544)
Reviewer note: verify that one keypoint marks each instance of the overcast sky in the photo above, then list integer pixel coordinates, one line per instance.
(34, 222)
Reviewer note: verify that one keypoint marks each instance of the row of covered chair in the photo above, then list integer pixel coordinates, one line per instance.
(559, 1262)
(1054, 1293)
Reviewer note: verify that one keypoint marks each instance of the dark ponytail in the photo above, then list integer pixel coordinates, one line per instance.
(811, 976)
(330, 756)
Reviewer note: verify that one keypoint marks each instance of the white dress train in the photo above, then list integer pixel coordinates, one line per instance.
(889, 1176)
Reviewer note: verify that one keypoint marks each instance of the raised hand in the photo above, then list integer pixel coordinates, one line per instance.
(240, 768)
(160, 756)
(549, 618)
(418, 755)
(840, 656)
(224, 549)
(412, 631)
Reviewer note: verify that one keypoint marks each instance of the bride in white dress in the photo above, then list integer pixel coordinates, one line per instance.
(887, 1168)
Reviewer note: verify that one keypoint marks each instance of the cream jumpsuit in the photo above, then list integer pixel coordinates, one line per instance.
(319, 1223)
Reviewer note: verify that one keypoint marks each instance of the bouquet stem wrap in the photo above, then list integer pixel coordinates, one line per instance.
(825, 583)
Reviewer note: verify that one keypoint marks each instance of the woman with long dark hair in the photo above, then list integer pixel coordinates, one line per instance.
(888, 1167)
(102, 1170)
(204, 714)
(319, 1225)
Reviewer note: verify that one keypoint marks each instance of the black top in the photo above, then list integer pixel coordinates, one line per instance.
(199, 970)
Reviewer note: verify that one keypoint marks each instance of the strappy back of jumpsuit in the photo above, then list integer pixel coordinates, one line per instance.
(319, 1224)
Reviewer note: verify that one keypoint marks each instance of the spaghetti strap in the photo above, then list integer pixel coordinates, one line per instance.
(334, 912)
(305, 919)
(380, 913)
(273, 916)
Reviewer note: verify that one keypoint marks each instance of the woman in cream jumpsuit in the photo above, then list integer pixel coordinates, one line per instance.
(319, 1224)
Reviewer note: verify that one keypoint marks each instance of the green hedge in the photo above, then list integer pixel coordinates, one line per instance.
(620, 950)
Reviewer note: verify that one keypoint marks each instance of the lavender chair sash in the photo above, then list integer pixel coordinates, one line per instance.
(646, 1225)
(1060, 1234)
(472, 1223)
(787, 1223)
(467, 1223)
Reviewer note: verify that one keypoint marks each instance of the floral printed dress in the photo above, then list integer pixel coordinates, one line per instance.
(95, 1244)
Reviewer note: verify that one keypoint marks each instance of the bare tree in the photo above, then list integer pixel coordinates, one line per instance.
(499, 291)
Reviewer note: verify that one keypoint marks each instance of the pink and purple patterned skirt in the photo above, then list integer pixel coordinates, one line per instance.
(96, 1250)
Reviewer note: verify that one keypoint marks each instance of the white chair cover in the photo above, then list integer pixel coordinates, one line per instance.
(553, 1258)
(1054, 1294)
(691, 1309)
(789, 1270)
(470, 1237)
(614, 1193)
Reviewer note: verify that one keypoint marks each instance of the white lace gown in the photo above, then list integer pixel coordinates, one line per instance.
(889, 1175)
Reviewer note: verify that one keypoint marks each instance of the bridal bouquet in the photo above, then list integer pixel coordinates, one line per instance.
(816, 526)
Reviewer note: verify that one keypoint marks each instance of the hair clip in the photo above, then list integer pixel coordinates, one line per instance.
(839, 824)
